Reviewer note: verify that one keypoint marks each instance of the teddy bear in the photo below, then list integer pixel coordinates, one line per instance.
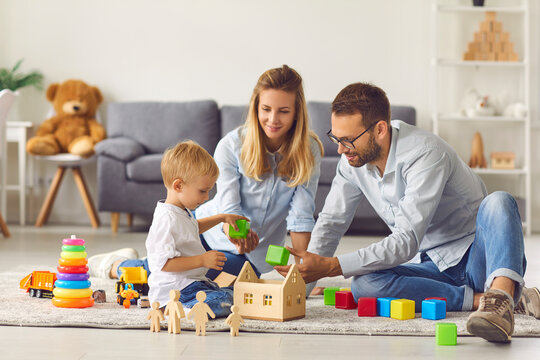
(74, 128)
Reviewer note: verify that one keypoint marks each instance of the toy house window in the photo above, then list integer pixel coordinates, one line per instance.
(267, 300)
(289, 300)
(248, 274)
(299, 299)
(248, 298)
(294, 278)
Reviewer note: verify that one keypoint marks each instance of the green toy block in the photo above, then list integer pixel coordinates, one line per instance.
(446, 333)
(330, 295)
(243, 229)
(277, 255)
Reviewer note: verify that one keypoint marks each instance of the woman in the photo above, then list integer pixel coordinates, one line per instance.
(269, 171)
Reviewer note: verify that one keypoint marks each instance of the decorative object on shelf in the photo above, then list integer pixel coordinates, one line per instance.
(477, 152)
(10, 79)
(478, 2)
(503, 160)
(473, 104)
(491, 43)
(516, 110)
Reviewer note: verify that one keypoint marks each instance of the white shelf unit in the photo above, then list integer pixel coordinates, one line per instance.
(518, 10)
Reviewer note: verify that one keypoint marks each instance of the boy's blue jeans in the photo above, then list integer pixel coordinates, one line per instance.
(497, 250)
(219, 299)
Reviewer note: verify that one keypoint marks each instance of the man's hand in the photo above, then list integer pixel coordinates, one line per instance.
(312, 267)
(214, 260)
(246, 245)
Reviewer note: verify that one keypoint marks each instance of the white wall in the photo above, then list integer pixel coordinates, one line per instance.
(183, 50)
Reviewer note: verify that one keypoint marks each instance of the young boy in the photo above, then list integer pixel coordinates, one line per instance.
(176, 257)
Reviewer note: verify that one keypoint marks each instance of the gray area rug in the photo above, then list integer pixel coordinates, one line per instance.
(17, 308)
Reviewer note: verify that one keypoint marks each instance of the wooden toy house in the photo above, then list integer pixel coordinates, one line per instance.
(273, 300)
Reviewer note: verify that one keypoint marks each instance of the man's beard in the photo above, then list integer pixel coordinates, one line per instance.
(372, 153)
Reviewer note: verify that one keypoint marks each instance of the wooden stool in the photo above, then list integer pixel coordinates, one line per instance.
(74, 163)
(3, 227)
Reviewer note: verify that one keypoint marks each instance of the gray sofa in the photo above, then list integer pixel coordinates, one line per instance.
(129, 176)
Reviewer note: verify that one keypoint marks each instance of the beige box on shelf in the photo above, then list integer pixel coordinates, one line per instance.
(503, 160)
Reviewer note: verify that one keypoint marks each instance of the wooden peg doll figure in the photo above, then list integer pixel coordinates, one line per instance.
(200, 312)
(234, 320)
(155, 316)
(175, 312)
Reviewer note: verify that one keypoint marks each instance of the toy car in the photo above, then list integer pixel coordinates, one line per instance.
(136, 276)
(39, 284)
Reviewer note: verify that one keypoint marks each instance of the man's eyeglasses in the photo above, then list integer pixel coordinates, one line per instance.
(349, 144)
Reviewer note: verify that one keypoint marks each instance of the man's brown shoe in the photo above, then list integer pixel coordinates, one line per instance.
(529, 303)
(494, 319)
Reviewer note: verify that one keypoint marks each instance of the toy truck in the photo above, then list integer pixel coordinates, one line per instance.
(135, 276)
(39, 284)
(127, 296)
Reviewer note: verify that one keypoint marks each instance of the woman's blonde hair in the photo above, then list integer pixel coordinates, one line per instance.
(298, 161)
(186, 160)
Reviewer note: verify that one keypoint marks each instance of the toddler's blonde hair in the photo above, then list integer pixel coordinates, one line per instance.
(185, 161)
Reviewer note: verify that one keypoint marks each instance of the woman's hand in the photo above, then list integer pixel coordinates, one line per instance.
(246, 245)
(213, 260)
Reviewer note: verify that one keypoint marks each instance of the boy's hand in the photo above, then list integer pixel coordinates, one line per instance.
(214, 260)
(231, 220)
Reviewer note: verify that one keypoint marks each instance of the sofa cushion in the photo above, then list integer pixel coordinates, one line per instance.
(146, 168)
(159, 125)
(319, 120)
(328, 169)
(120, 148)
(232, 116)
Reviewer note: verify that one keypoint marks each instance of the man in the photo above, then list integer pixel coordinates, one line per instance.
(457, 242)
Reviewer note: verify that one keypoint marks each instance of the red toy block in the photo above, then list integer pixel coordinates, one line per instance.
(367, 306)
(436, 298)
(345, 300)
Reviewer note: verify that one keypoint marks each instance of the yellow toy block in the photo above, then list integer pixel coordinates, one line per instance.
(402, 309)
(344, 289)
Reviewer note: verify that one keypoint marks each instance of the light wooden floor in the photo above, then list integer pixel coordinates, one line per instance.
(29, 245)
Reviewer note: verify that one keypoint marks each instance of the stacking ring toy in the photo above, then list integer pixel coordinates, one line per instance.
(73, 242)
(72, 293)
(72, 277)
(73, 303)
(72, 269)
(73, 248)
(72, 262)
(67, 284)
(73, 254)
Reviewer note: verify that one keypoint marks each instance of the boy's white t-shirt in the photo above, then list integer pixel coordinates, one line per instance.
(174, 232)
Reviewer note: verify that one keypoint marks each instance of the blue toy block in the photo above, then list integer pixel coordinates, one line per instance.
(433, 309)
(383, 306)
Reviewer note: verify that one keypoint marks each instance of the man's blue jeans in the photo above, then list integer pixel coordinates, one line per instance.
(497, 250)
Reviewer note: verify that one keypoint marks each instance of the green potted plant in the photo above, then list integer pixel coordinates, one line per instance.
(10, 79)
